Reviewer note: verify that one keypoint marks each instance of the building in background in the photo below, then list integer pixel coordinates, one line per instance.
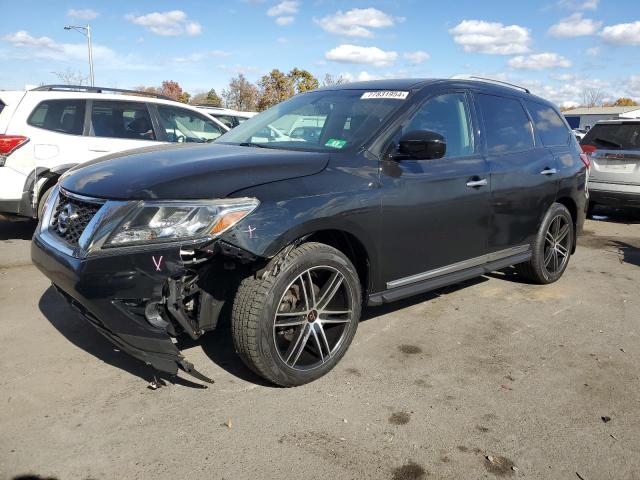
(584, 118)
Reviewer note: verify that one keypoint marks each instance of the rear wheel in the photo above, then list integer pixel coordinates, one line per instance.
(552, 247)
(293, 327)
(43, 201)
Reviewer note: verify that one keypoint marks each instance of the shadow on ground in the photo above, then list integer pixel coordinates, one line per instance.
(17, 230)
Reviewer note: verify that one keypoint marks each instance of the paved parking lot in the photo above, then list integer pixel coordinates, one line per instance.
(431, 387)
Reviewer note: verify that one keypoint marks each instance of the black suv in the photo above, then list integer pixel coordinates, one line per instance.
(409, 185)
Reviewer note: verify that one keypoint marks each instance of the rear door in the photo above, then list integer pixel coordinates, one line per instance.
(524, 174)
(436, 212)
(115, 126)
(614, 150)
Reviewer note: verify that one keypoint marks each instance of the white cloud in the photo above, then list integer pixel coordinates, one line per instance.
(284, 21)
(282, 40)
(287, 7)
(199, 56)
(357, 22)
(355, 54)
(562, 77)
(592, 52)
(574, 26)
(491, 37)
(416, 57)
(539, 61)
(236, 69)
(579, 4)
(82, 14)
(27, 47)
(167, 24)
(622, 33)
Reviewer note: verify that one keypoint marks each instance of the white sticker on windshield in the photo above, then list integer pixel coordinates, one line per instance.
(385, 94)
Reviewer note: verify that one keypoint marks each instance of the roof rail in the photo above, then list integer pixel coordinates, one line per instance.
(492, 80)
(82, 88)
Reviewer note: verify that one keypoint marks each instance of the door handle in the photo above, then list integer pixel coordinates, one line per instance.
(477, 183)
(548, 171)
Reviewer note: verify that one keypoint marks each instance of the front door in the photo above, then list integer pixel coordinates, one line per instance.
(435, 213)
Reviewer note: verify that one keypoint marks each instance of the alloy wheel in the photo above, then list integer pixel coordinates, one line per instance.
(556, 245)
(313, 317)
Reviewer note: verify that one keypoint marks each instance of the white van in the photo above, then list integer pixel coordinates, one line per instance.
(47, 130)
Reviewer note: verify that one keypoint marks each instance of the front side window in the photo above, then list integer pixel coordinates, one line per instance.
(549, 125)
(506, 125)
(447, 115)
(121, 120)
(64, 116)
(183, 125)
(321, 121)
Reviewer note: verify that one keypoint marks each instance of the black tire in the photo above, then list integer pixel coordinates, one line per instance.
(259, 302)
(540, 268)
(43, 201)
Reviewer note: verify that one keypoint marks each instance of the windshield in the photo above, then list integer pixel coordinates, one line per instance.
(320, 121)
(614, 136)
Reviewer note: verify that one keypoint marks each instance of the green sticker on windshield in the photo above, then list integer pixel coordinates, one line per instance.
(335, 143)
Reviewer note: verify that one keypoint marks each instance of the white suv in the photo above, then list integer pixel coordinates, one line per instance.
(47, 130)
(231, 118)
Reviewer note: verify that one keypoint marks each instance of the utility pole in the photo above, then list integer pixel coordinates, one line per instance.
(86, 31)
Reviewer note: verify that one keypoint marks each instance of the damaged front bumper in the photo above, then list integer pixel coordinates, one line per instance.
(125, 298)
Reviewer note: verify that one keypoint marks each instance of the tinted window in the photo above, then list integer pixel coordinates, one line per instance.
(121, 120)
(614, 136)
(183, 125)
(549, 124)
(228, 120)
(506, 125)
(65, 116)
(447, 115)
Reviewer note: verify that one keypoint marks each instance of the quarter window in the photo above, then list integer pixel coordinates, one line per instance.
(549, 125)
(121, 120)
(64, 116)
(183, 125)
(447, 115)
(507, 127)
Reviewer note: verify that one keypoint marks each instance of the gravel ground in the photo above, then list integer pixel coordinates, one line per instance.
(490, 378)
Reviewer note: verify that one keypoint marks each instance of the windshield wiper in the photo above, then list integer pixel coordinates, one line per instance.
(252, 144)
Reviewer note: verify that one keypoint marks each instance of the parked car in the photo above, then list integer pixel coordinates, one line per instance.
(579, 133)
(613, 147)
(231, 118)
(47, 130)
(411, 185)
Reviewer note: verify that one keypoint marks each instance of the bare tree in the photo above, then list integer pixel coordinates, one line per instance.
(330, 80)
(71, 77)
(592, 97)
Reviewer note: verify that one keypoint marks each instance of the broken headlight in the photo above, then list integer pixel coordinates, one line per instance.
(156, 222)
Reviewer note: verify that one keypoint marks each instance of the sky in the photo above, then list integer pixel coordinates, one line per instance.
(557, 48)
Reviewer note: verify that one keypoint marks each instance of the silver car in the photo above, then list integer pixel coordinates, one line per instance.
(613, 147)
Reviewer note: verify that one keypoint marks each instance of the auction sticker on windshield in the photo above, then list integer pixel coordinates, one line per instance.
(385, 94)
(335, 143)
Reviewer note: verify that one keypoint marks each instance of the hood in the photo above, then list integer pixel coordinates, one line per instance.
(188, 172)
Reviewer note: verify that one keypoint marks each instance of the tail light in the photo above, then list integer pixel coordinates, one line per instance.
(585, 159)
(589, 149)
(9, 143)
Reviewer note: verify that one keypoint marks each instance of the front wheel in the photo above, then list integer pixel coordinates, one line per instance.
(293, 326)
(552, 247)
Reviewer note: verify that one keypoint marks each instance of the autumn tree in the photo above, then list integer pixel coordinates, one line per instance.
(173, 90)
(274, 88)
(210, 98)
(241, 94)
(625, 102)
(303, 81)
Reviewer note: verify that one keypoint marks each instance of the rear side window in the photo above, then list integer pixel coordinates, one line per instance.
(228, 120)
(612, 136)
(129, 120)
(506, 125)
(549, 125)
(64, 116)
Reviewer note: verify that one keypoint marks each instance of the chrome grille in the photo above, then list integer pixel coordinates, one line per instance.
(71, 216)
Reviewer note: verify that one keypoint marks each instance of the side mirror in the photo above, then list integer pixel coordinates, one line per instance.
(422, 145)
